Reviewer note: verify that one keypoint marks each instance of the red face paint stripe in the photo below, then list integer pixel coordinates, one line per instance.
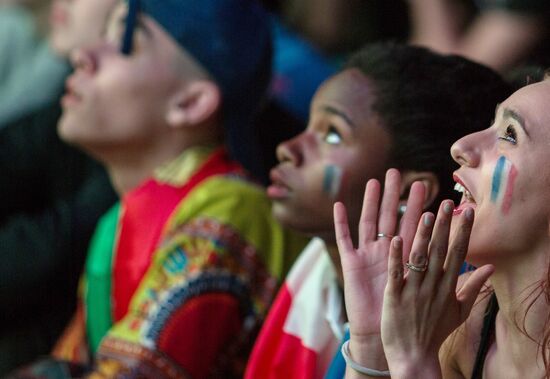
(507, 201)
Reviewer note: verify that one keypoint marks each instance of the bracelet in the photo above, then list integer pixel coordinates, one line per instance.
(357, 367)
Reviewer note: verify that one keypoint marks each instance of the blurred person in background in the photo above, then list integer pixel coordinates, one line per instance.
(53, 195)
(502, 34)
(31, 73)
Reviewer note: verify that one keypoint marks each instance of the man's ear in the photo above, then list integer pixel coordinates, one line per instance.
(193, 104)
(428, 178)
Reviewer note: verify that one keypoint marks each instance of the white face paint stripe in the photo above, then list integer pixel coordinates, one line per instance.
(503, 182)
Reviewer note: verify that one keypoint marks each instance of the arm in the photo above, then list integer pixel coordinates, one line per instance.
(500, 39)
(434, 24)
(497, 38)
(187, 318)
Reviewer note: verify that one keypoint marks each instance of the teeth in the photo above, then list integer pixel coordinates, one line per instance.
(460, 188)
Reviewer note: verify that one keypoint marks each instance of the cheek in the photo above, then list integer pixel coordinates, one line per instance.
(502, 184)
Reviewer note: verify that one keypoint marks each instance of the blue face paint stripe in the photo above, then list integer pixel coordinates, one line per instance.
(497, 179)
(330, 173)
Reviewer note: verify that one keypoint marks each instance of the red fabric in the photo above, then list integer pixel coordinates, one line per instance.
(267, 360)
(216, 321)
(145, 213)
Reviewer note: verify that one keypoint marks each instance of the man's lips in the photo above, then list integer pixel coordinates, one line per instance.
(71, 96)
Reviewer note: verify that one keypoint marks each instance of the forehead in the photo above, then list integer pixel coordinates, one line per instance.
(349, 90)
(533, 104)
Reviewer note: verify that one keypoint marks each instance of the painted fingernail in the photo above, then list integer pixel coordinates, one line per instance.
(428, 219)
(469, 214)
(448, 207)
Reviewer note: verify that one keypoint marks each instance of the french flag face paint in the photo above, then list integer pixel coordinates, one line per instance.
(332, 181)
(502, 187)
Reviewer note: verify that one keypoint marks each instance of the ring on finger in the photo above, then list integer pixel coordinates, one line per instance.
(384, 235)
(416, 268)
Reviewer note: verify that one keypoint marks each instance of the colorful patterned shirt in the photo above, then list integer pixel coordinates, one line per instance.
(180, 274)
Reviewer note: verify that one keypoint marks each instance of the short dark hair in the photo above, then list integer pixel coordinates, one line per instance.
(427, 101)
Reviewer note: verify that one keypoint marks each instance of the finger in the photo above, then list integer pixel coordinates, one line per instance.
(409, 221)
(395, 268)
(437, 250)
(419, 251)
(369, 212)
(467, 295)
(387, 219)
(341, 228)
(458, 249)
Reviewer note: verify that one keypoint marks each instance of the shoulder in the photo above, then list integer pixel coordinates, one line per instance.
(237, 212)
(459, 351)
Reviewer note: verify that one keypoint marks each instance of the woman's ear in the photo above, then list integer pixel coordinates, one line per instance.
(428, 178)
(193, 104)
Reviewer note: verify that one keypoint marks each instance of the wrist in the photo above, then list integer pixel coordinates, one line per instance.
(368, 351)
(412, 368)
(358, 369)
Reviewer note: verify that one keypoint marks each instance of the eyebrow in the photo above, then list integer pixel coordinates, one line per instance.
(510, 113)
(337, 112)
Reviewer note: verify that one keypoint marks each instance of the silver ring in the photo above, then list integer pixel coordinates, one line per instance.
(410, 266)
(384, 235)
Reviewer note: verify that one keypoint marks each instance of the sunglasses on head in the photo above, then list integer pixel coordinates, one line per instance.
(131, 20)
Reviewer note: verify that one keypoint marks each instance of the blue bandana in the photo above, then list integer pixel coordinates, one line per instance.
(231, 40)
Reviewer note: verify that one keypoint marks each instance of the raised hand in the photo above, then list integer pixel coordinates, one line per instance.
(365, 268)
(423, 307)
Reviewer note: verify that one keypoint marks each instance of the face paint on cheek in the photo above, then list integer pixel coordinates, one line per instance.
(502, 188)
(332, 180)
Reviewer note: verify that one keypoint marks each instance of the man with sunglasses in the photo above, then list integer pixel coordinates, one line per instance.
(182, 270)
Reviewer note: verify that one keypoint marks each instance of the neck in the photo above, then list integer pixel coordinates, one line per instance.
(127, 171)
(524, 310)
(127, 174)
(128, 167)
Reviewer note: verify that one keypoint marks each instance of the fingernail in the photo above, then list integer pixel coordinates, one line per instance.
(469, 214)
(448, 207)
(428, 219)
(397, 243)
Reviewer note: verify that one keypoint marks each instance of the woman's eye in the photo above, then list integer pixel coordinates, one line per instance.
(510, 135)
(333, 137)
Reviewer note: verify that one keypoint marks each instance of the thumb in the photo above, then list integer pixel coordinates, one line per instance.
(467, 295)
